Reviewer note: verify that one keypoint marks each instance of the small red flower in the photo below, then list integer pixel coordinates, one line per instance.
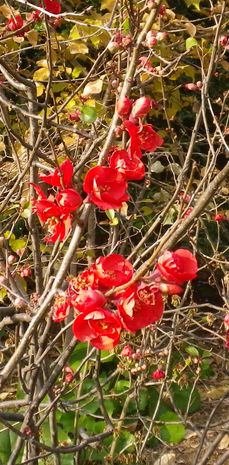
(106, 187)
(127, 351)
(141, 107)
(226, 322)
(177, 267)
(60, 308)
(149, 139)
(158, 374)
(52, 6)
(69, 375)
(54, 212)
(61, 177)
(99, 327)
(75, 115)
(131, 167)
(142, 137)
(88, 300)
(113, 270)
(218, 218)
(151, 39)
(141, 308)
(15, 23)
(124, 106)
(87, 279)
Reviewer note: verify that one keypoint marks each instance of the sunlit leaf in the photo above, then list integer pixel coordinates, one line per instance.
(190, 42)
(41, 74)
(88, 114)
(32, 37)
(93, 87)
(78, 47)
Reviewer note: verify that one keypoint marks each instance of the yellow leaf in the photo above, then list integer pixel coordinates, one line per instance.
(191, 28)
(32, 37)
(41, 74)
(7, 11)
(42, 63)
(93, 87)
(18, 39)
(40, 88)
(78, 47)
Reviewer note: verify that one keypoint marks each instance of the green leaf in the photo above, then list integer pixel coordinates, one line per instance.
(171, 433)
(190, 42)
(121, 385)
(17, 244)
(5, 444)
(88, 114)
(3, 294)
(184, 397)
(78, 355)
(192, 351)
(195, 3)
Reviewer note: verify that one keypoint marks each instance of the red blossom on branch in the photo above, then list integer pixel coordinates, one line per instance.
(131, 167)
(99, 327)
(177, 267)
(141, 308)
(61, 177)
(52, 6)
(15, 23)
(106, 187)
(113, 270)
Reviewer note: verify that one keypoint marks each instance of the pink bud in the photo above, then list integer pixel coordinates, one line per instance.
(223, 40)
(190, 86)
(151, 39)
(19, 302)
(226, 322)
(11, 259)
(160, 36)
(170, 289)
(113, 46)
(219, 218)
(158, 374)
(141, 107)
(127, 351)
(124, 106)
(75, 116)
(199, 84)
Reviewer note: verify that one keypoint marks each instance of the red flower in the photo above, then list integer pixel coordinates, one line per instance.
(132, 168)
(177, 267)
(88, 300)
(220, 218)
(124, 106)
(61, 308)
(141, 308)
(61, 177)
(141, 107)
(15, 23)
(87, 279)
(99, 327)
(113, 270)
(127, 351)
(69, 200)
(149, 139)
(54, 212)
(142, 137)
(158, 374)
(52, 6)
(106, 187)
(226, 322)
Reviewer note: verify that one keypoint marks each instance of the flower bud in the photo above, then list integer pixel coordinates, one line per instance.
(127, 351)
(151, 39)
(74, 116)
(11, 259)
(190, 86)
(158, 374)
(223, 40)
(226, 322)
(124, 106)
(19, 302)
(141, 107)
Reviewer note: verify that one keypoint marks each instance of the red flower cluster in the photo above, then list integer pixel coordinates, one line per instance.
(106, 186)
(15, 23)
(55, 211)
(100, 319)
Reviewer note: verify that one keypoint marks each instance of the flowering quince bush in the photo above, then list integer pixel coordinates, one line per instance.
(113, 229)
